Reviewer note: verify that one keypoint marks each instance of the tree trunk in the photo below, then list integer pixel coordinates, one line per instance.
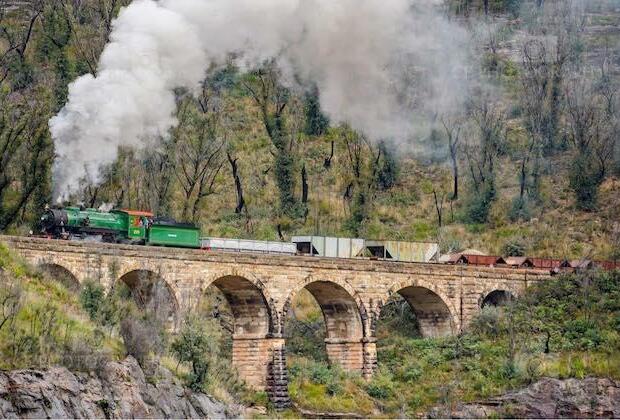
(455, 174)
(522, 178)
(304, 185)
(486, 7)
(439, 208)
(328, 160)
(238, 187)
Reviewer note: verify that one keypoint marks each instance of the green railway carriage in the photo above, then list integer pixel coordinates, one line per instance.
(174, 234)
(120, 226)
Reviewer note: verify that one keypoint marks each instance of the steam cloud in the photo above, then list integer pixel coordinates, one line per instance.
(362, 55)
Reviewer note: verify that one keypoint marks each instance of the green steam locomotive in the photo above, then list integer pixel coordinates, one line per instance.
(118, 226)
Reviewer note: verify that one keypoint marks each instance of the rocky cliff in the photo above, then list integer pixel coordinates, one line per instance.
(118, 390)
(547, 398)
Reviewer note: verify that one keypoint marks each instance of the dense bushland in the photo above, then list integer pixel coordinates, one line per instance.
(533, 153)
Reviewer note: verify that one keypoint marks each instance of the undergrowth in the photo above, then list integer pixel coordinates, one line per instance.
(566, 327)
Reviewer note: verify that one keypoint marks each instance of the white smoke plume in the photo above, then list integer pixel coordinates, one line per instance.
(361, 54)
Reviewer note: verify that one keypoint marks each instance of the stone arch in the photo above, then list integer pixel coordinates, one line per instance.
(344, 315)
(257, 349)
(436, 314)
(496, 297)
(343, 310)
(151, 291)
(61, 274)
(254, 316)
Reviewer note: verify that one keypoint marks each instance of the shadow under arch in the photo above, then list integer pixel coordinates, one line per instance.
(433, 312)
(342, 323)
(61, 274)
(343, 313)
(152, 293)
(497, 297)
(252, 313)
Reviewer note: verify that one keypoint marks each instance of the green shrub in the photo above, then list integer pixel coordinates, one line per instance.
(520, 210)
(320, 373)
(479, 204)
(582, 334)
(380, 390)
(195, 344)
(515, 247)
(388, 172)
(91, 298)
(334, 388)
(411, 373)
(585, 178)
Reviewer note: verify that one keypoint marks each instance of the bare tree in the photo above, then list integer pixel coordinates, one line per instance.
(482, 154)
(15, 39)
(25, 158)
(89, 40)
(539, 103)
(453, 133)
(238, 187)
(272, 100)
(592, 136)
(10, 299)
(439, 200)
(328, 160)
(158, 167)
(198, 155)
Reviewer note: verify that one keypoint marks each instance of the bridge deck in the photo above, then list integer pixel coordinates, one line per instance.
(349, 264)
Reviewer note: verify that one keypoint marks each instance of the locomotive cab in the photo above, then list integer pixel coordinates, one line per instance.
(137, 223)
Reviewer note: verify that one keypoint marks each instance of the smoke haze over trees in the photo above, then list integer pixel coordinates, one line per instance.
(360, 56)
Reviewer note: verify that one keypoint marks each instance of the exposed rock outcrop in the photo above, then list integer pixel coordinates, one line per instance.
(119, 390)
(548, 398)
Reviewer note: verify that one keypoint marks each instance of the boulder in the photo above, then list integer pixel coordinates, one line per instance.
(118, 390)
(547, 398)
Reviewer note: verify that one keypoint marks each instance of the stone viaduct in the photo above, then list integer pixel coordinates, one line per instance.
(260, 289)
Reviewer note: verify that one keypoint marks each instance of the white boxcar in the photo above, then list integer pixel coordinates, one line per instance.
(248, 245)
(326, 246)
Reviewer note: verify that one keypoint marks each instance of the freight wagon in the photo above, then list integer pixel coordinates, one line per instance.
(247, 245)
(326, 246)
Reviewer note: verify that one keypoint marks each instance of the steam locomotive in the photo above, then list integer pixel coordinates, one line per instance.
(118, 226)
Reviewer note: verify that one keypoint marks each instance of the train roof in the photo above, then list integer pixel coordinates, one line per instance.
(137, 212)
